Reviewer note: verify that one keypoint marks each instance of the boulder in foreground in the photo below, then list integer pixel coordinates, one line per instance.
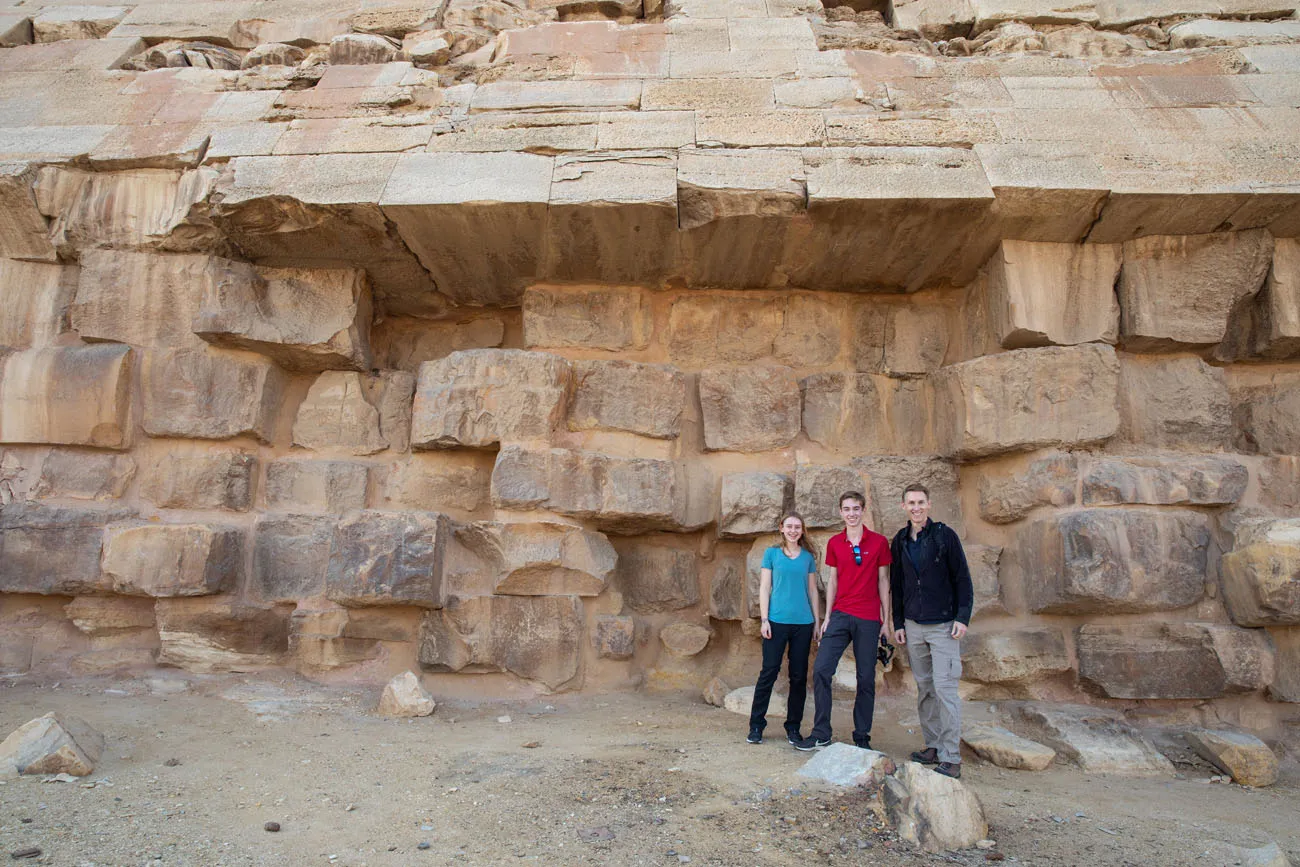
(932, 811)
(405, 697)
(52, 744)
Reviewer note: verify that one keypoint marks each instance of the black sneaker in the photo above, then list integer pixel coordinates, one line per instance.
(807, 745)
(927, 756)
(793, 736)
(755, 736)
(949, 769)
(864, 744)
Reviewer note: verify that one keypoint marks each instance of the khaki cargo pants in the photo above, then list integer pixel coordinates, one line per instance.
(935, 657)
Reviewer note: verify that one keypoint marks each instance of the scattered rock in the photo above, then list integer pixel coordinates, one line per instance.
(29, 852)
(1248, 759)
(932, 811)
(172, 763)
(271, 826)
(715, 692)
(52, 744)
(685, 639)
(405, 697)
(1006, 749)
(741, 700)
(844, 765)
(1099, 740)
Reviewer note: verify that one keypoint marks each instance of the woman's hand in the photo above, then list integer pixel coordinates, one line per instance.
(766, 629)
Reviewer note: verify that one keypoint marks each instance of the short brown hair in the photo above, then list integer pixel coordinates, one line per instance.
(853, 495)
(918, 488)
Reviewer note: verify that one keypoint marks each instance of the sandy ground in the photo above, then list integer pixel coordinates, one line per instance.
(190, 778)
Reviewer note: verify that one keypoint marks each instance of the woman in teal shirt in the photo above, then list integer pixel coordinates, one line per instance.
(789, 603)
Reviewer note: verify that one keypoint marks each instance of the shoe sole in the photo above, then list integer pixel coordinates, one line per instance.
(753, 741)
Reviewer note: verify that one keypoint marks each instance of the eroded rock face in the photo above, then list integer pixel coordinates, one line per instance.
(1014, 656)
(1097, 739)
(1047, 481)
(210, 394)
(1053, 294)
(887, 476)
(596, 318)
(873, 413)
(36, 297)
(752, 503)
(1161, 481)
(387, 558)
(932, 811)
(172, 559)
(354, 413)
(84, 476)
(73, 395)
(646, 399)
(1006, 749)
(317, 486)
(685, 640)
(1246, 758)
(749, 409)
(656, 578)
(817, 492)
(218, 633)
(291, 556)
(1151, 660)
(1266, 415)
(614, 636)
(541, 559)
(1260, 573)
(52, 744)
(219, 480)
(1174, 403)
(54, 550)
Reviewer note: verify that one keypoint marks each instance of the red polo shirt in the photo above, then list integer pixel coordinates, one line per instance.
(857, 588)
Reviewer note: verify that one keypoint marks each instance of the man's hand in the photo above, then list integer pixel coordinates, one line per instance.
(900, 636)
(958, 629)
(821, 630)
(766, 629)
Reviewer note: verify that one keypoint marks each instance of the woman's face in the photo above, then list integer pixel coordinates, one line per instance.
(792, 529)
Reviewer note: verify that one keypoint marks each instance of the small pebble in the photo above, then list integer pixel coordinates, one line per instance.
(503, 719)
(683, 859)
(531, 745)
(426, 827)
(423, 845)
(272, 826)
(30, 852)
(985, 844)
(994, 856)
(171, 763)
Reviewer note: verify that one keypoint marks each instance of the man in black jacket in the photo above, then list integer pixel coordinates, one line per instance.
(932, 599)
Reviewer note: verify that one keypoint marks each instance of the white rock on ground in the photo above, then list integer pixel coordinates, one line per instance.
(845, 765)
(715, 692)
(1007, 749)
(405, 697)
(1248, 759)
(1098, 739)
(52, 744)
(741, 700)
(932, 811)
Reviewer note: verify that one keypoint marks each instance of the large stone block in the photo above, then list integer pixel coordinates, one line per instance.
(1174, 403)
(1098, 739)
(888, 475)
(305, 320)
(1245, 757)
(605, 317)
(110, 615)
(83, 476)
(872, 413)
(727, 589)
(1047, 481)
(356, 413)
(1044, 294)
(709, 328)
(316, 486)
(752, 503)
(898, 340)
(1014, 656)
(219, 633)
(484, 396)
(36, 298)
(1178, 291)
(172, 559)
(542, 559)
(140, 209)
(291, 555)
(1277, 325)
(1161, 481)
(984, 561)
(387, 558)
(656, 578)
(438, 481)
(1286, 685)
(1027, 399)
(537, 638)
(1166, 660)
(817, 492)
(646, 399)
(1261, 574)
(933, 811)
(210, 394)
(1266, 413)
(614, 636)
(74, 395)
(50, 550)
(52, 744)
(749, 409)
(1102, 561)
(217, 480)
(23, 230)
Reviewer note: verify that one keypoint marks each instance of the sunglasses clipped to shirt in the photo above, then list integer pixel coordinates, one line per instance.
(857, 555)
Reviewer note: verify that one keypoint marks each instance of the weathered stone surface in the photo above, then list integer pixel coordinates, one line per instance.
(1279, 484)
(711, 328)
(404, 698)
(538, 638)
(817, 492)
(685, 640)
(1261, 572)
(210, 394)
(139, 209)
(752, 503)
(1177, 291)
(646, 399)
(1047, 481)
(438, 481)
(51, 550)
(36, 298)
(76, 22)
(848, 766)
(1277, 327)
(110, 615)
(1053, 294)
(1112, 561)
(727, 590)
(355, 413)
(1286, 684)
(1150, 660)
(52, 744)
(749, 409)
(896, 340)
(741, 701)
(1014, 655)
(614, 636)
(485, 396)
(294, 485)
(868, 412)
(1266, 414)
(216, 480)
(1244, 757)
(23, 231)
(887, 476)
(405, 344)
(983, 561)
(1160, 481)
(1006, 749)
(172, 559)
(715, 692)
(1174, 403)
(218, 633)
(74, 395)
(361, 49)
(656, 578)
(305, 320)
(542, 559)
(83, 476)
(603, 317)
(1098, 739)
(291, 555)
(387, 558)
(932, 811)
(1248, 656)
(1027, 399)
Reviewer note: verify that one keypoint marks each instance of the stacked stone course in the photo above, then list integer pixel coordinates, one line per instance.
(496, 337)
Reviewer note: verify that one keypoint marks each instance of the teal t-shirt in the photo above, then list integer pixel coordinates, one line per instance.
(789, 602)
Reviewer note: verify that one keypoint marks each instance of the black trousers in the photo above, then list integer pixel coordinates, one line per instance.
(797, 637)
(865, 635)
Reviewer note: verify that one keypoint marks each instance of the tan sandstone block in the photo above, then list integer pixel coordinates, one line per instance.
(82, 475)
(646, 399)
(597, 318)
(216, 480)
(1259, 574)
(1174, 403)
(1015, 656)
(23, 231)
(35, 297)
(316, 486)
(355, 413)
(749, 409)
(210, 394)
(1063, 294)
(862, 412)
(172, 559)
(75, 395)
(542, 559)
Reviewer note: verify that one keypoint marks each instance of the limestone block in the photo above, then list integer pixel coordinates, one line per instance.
(438, 481)
(1006, 749)
(614, 636)
(1266, 414)
(110, 615)
(147, 299)
(306, 320)
(1170, 660)
(685, 640)
(817, 492)
(708, 328)
(537, 638)
(1177, 291)
(557, 95)
(210, 394)
(76, 22)
(23, 230)
(1097, 739)
(405, 344)
(1014, 656)
(1027, 399)
(1174, 403)
(217, 480)
(15, 29)
(749, 409)
(1246, 758)
(740, 701)
(387, 558)
(83, 476)
(172, 559)
(752, 503)
(316, 486)
(846, 765)
(715, 692)
(605, 317)
(1277, 330)
(1160, 481)
(646, 399)
(361, 49)
(1110, 561)
(1047, 481)
(1045, 294)
(932, 811)
(36, 298)
(475, 220)
(73, 395)
(727, 590)
(136, 209)
(1286, 686)
(897, 340)
(483, 396)
(657, 578)
(291, 554)
(272, 54)
(1260, 586)
(1205, 32)
(1279, 484)
(403, 697)
(991, 13)
(862, 412)
(811, 331)
(542, 559)
(983, 561)
(51, 550)
(352, 412)
(888, 475)
(598, 201)
(217, 633)
(52, 744)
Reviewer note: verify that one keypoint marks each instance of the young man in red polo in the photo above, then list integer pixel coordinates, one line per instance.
(857, 604)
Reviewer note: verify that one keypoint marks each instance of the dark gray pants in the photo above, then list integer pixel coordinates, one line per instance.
(865, 635)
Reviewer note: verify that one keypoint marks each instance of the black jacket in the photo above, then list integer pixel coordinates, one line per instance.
(936, 588)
